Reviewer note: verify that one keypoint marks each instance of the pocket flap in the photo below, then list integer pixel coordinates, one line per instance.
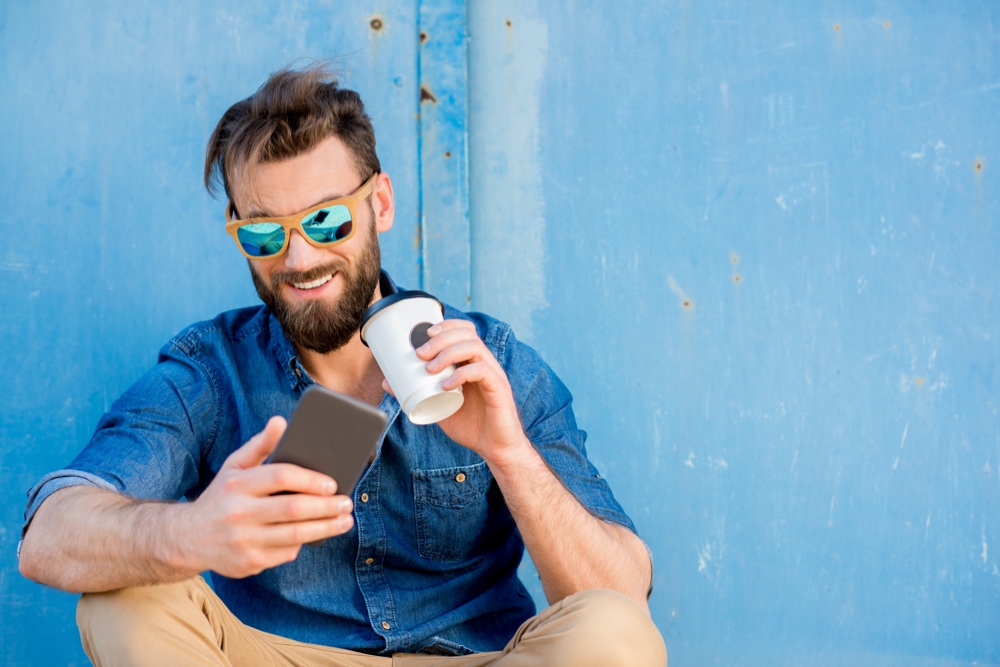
(454, 487)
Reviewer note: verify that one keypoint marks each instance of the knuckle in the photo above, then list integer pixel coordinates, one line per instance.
(295, 508)
(239, 541)
(254, 561)
(233, 514)
(231, 483)
(282, 476)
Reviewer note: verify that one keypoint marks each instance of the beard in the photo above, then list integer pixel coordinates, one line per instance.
(316, 325)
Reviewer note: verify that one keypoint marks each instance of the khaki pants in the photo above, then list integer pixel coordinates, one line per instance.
(185, 623)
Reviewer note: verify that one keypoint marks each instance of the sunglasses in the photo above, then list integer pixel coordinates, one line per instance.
(323, 225)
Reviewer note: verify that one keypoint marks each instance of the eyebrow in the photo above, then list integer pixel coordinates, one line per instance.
(263, 214)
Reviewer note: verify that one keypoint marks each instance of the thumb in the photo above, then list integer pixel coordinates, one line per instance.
(258, 448)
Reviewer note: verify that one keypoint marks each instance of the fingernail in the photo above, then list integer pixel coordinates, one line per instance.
(434, 330)
(424, 348)
(329, 487)
(346, 506)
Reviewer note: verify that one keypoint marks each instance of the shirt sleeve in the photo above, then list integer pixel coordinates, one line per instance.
(149, 444)
(546, 409)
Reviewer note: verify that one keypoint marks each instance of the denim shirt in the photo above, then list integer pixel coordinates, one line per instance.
(431, 562)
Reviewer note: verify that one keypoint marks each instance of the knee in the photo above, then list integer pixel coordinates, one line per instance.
(114, 622)
(612, 630)
(136, 603)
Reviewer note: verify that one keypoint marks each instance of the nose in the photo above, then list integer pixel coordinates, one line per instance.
(300, 254)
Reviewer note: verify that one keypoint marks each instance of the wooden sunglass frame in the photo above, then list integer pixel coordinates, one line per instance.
(294, 221)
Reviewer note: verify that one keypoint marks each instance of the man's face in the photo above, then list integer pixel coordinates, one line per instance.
(318, 294)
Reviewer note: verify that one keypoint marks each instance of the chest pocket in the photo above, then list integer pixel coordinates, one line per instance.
(451, 510)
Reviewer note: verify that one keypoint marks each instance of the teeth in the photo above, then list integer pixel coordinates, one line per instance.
(314, 284)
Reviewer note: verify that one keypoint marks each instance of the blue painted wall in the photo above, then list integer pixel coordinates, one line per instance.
(114, 245)
(759, 241)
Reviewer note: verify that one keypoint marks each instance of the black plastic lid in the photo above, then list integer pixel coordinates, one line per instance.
(387, 301)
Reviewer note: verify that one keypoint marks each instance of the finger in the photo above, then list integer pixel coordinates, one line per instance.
(445, 338)
(462, 352)
(387, 388)
(302, 532)
(274, 478)
(258, 448)
(297, 507)
(453, 332)
(448, 325)
(477, 372)
(457, 331)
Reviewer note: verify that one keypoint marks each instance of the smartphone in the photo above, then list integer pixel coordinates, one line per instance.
(332, 434)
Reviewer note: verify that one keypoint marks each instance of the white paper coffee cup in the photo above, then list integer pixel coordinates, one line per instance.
(394, 327)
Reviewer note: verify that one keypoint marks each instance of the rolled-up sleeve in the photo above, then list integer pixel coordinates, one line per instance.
(149, 444)
(54, 481)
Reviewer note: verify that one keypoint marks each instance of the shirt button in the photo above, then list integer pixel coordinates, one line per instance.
(460, 477)
(369, 561)
(364, 497)
(385, 625)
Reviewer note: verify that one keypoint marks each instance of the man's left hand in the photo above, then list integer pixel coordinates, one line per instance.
(487, 422)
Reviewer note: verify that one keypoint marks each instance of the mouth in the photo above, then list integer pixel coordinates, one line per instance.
(313, 284)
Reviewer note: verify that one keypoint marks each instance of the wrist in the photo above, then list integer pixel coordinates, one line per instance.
(168, 546)
(514, 458)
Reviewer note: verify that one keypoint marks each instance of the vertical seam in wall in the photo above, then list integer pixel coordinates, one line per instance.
(421, 226)
(468, 145)
(442, 63)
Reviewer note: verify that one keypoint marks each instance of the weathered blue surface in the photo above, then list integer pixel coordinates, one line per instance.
(767, 243)
(758, 240)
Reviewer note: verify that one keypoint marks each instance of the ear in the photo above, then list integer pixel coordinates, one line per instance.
(383, 203)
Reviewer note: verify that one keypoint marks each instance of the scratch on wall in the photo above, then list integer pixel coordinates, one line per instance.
(985, 553)
(711, 554)
(685, 300)
(902, 442)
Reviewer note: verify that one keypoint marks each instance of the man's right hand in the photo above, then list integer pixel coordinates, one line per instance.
(239, 527)
(86, 539)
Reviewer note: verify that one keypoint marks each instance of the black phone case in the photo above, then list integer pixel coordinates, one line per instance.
(332, 434)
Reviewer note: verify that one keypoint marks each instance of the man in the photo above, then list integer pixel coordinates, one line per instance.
(423, 559)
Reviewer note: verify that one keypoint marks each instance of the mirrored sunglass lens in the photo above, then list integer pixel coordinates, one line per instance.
(328, 225)
(261, 239)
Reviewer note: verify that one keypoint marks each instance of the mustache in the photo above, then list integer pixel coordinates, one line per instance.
(279, 277)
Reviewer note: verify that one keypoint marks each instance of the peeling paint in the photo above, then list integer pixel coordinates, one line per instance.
(426, 95)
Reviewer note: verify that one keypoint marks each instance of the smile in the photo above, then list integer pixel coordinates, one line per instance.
(319, 282)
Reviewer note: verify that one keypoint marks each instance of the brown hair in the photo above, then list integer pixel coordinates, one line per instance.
(289, 115)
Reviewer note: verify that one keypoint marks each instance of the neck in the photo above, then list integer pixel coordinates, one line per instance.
(350, 370)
